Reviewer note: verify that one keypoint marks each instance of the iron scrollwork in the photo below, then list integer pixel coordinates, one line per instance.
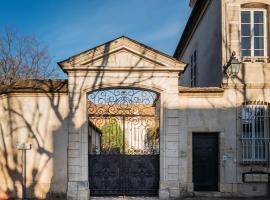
(126, 120)
(124, 142)
(121, 102)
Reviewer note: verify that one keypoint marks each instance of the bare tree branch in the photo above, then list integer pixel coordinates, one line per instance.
(23, 57)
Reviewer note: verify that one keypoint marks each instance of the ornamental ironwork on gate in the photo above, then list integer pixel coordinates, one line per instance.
(123, 142)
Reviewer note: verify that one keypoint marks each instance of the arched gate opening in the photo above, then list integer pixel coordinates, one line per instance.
(123, 142)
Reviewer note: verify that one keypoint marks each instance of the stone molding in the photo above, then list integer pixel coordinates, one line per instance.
(246, 86)
(85, 59)
(201, 91)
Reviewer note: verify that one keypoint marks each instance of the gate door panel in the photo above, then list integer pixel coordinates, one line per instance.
(105, 174)
(142, 175)
(123, 142)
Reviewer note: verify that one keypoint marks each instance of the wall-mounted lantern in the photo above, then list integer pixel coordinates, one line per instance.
(232, 67)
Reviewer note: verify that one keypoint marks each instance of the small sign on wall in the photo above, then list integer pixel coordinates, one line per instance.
(24, 146)
(256, 177)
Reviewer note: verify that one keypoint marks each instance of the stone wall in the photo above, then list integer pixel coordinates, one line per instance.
(39, 120)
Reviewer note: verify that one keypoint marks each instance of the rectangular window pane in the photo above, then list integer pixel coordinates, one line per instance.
(258, 43)
(255, 138)
(258, 30)
(259, 53)
(245, 17)
(246, 43)
(195, 68)
(191, 69)
(259, 122)
(246, 122)
(245, 30)
(246, 52)
(258, 17)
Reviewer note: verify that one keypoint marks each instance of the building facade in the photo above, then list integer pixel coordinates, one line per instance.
(217, 29)
(211, 125)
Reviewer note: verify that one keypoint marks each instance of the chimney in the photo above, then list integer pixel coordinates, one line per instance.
(192, 3)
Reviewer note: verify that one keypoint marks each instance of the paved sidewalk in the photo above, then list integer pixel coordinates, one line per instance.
(187, 198)
(227, 198)
(124, 198)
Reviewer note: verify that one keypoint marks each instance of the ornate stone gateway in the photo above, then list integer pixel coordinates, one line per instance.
(123, 142)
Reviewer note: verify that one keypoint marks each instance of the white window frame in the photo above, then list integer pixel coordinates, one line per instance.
(253, 143)
(252, 10)
(194, 70)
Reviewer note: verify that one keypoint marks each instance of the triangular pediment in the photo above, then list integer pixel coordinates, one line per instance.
(122, 53)
(123, 57)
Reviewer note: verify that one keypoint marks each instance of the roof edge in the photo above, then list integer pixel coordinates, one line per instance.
(36, 86)
(193, 21)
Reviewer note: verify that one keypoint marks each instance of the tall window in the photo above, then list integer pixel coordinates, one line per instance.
(255, 132)
(193, 69)
(253, 33)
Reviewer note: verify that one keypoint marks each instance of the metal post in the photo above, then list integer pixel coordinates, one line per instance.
(24, 174)
(124, 132)
(24, 147)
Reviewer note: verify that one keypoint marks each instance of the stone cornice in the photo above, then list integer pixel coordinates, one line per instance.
(125, 69)
(247, 86)
(200, 91)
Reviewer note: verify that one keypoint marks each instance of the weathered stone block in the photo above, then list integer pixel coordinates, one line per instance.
(74, 145)
(74, 169)
(173, 169)
(172, 153)
(172, 145)
(74, 161)
(164, 195)
(173, 121)
(172, 138)
(84, 194)
(173, 177)
(172, 161)
(74, 137)
(74, 177)
(173, 129)
(73, 153)
(172, 113)
(72, 186)
(174, 192)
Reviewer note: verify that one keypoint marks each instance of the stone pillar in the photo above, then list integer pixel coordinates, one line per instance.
(169, 183)
(78, 186)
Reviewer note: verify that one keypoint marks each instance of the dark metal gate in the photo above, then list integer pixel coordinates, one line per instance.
(123, 142)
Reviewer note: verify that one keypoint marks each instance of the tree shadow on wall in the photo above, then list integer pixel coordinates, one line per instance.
(44, 113)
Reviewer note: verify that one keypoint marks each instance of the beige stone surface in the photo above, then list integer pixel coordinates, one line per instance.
(39, 120)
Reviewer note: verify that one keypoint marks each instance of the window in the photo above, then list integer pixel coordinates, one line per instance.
(253, 33)
(193, 69)
(255, 132)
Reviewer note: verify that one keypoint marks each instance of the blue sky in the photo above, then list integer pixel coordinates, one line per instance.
(69, 27)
